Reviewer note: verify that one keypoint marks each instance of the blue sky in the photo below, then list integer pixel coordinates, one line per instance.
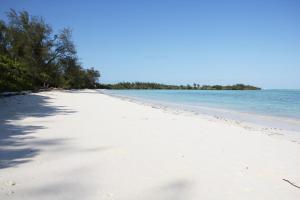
(178, 42)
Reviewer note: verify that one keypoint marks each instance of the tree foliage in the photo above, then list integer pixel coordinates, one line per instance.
(146, 85)
(13, 75)
(33, 57)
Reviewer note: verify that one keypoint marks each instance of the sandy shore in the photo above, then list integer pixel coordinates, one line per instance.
(86, 145)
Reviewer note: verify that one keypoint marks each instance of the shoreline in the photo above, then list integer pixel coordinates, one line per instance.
(290, 124)
(270, 124)
(87, 145)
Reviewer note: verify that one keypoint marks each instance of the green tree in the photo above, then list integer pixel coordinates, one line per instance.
(29, 48)
(13, 75)
(91, 78)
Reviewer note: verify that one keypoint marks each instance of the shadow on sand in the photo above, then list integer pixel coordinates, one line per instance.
(85, 91)
(177, 189)
(16, 145)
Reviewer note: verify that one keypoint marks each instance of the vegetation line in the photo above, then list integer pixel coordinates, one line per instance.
(143, 85)
(33, 57)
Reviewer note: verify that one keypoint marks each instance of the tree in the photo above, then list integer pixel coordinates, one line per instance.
(29, 48)
(92, 77)
(13, 75)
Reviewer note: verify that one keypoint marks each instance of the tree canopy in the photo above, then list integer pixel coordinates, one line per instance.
(32, 56)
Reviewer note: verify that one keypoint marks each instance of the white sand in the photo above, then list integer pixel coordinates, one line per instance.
(86, 145)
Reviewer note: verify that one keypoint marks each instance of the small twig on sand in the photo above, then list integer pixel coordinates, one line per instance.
(291, 183)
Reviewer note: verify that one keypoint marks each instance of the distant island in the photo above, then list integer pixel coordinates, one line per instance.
(157, 86)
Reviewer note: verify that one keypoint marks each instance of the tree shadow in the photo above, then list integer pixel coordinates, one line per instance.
(179, 189)
(17, 146)
(176, 190)
(85, 91)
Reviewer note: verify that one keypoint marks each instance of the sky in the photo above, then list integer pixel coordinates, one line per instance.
(254, 42)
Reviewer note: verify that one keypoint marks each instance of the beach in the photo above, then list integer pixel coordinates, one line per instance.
(83, 144)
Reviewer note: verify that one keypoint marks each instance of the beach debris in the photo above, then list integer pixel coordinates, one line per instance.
(293, 184)
(10, 183)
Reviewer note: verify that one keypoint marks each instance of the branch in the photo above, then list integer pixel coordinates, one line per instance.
(291, 183)
(53, 58)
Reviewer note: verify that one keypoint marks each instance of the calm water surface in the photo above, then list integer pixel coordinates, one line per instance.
(283, 105)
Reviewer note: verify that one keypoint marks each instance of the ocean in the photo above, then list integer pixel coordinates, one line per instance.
(275, 108)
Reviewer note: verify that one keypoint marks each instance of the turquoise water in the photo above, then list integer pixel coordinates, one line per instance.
(283, 104)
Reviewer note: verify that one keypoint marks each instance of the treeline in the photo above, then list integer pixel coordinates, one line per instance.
(32, 56)
(146, 85)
